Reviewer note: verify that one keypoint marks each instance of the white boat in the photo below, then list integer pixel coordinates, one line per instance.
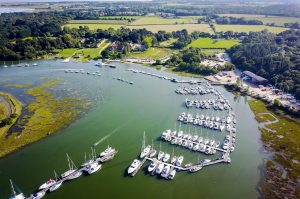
(179, 161)
(134, 165)
(35, 64)
(166, 157)
(159, 168)
(72, 168)
(152, 166)
(37, 195)
(173, 159)
(145, 152)
(107, 151)
(165, 171)
(92, 168)
(160, 155)
(47, 184)
(56, 186)
(172, 174)
(205, 161)
(15, 194)
(74, 175)
(180, 133)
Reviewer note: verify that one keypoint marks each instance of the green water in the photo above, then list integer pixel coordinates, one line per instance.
(124, 112)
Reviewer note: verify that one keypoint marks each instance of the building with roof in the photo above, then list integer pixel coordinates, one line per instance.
(253, 78)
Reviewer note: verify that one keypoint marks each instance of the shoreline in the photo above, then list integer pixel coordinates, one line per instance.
(16, 107)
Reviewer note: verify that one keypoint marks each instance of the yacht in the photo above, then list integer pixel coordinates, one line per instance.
(152, 152)
(107, 151)
(195, 168)
(205, 161)
(47, 184)
(152, 166)
(35, 64)
(37, 195)
(15, 195)
(180, 133)
(166, 157)
(92, 168)
(179, 142)
(145, 152)
(159, 168)
(172, 174)
(179, 161)
(165, 171)
(134, 165)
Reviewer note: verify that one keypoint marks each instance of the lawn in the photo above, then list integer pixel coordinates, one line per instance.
(151, 53)
(94, 26)
(120, 22)
(211, 43)
(278, 20)
(65, 53)
(248, 28)
(159, 20)
(170, 28)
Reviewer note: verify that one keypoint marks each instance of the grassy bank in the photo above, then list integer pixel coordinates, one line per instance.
(213, 43)
(283, 170)
(15, 107)
(182, 73)
(46, 115)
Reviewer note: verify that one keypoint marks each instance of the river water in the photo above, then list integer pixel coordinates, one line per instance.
(122, 112)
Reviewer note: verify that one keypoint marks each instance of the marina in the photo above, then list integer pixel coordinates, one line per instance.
(89, 167)
(156, 110)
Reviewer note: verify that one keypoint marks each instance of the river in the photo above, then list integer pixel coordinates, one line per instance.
(124, 112)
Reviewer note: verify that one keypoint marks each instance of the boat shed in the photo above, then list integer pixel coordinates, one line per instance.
(253, 78)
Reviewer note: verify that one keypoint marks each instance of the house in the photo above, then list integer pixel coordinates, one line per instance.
(116, 46)
(253, 78)
(137, 47)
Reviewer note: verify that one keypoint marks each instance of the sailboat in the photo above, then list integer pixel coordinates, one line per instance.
(5, 66)
(57, 184)
(92, 166)
(72, 173)
(16, 192)
(145, 149)
(152, 151)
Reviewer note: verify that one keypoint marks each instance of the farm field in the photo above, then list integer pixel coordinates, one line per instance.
(278, 20)
(119, 16)
(171, 28)
(159, 20)
(152, 53)
(248, 28)
(122, 22)
(211, 43)
(95, 26)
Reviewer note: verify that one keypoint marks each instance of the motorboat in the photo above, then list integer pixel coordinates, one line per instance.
(165, 171)
(159, 168)
(173, 159)
(134, 165)
(205, 161)
(152, 166)
(109, 150)
(172, 174)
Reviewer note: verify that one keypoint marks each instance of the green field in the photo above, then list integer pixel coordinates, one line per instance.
(151, 53)
(159, 20)
(65, 53)
(119, 16)
(95, 26)
(171, 28)
(168, 43)
(120, 22)
(211, 43)
(248, 28)
(278, 20)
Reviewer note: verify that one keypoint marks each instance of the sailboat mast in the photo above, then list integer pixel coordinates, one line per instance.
(143, 144)
(12, 188)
